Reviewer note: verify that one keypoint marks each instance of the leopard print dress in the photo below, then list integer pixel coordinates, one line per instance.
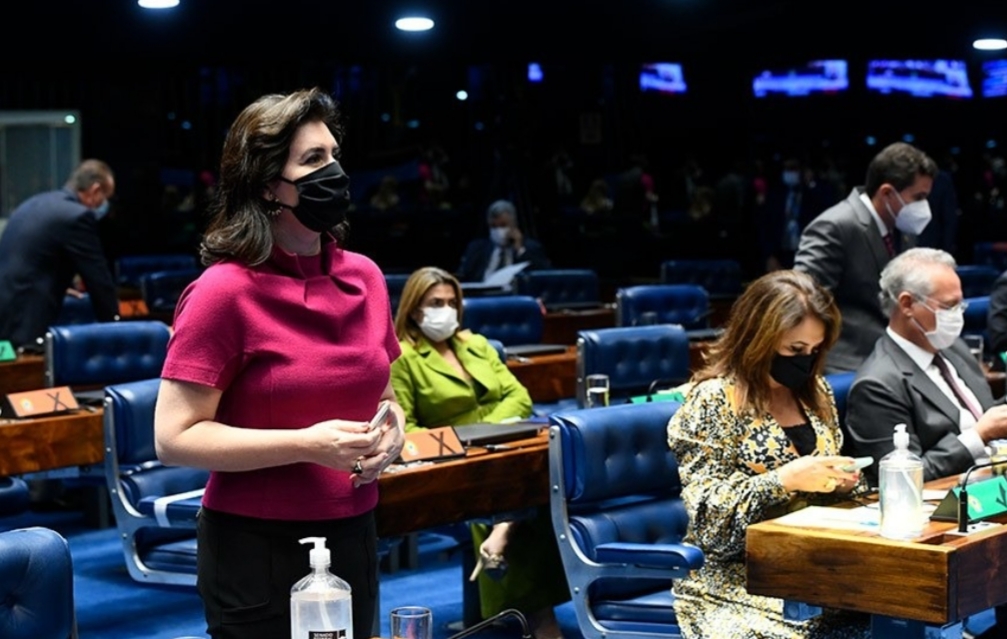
(727, 465)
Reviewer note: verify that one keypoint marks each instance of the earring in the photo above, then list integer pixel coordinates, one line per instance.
(273, 206)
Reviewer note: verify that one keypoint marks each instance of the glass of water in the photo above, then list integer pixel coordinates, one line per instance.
(597, 390)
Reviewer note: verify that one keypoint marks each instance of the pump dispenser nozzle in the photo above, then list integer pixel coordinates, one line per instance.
(901, 438)
(320, 557)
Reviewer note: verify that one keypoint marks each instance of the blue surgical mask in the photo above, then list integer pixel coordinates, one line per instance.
(102, 209)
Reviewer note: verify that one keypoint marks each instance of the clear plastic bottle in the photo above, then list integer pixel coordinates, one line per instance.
(900, 482)
(320, 604)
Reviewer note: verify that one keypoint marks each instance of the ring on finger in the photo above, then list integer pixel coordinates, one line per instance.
(357, 468)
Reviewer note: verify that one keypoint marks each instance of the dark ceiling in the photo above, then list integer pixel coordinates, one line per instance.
(473, 31)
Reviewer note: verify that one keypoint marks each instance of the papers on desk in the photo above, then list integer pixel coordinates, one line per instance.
(504, 276)
(862, 518)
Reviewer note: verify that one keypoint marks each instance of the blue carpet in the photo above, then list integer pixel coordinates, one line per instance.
(110, 605)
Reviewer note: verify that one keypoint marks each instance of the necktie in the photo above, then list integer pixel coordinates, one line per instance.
(890, 244)
(963, 399)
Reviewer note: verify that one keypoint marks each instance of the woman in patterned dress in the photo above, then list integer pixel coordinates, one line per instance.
(758, 435)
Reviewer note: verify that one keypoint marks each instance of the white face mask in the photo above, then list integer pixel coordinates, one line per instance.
(950, 323)
(913, 217)
(440, 323)
(499, 235)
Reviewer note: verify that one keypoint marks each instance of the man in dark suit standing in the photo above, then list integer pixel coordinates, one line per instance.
(922, 375)
(50, 238)
(506, 245)
(846, 247)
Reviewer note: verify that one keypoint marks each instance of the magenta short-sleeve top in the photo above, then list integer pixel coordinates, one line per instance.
(290, 342)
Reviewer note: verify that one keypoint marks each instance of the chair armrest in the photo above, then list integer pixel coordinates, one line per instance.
(679, 557)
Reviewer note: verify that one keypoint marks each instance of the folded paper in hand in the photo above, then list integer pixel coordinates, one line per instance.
(504, 276)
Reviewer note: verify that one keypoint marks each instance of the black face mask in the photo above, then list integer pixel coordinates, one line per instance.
(323, 197)
(792, 371)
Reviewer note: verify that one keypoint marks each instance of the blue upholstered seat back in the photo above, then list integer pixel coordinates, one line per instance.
(129, 268)
(130, 406)
(685, 304)
(717, 277)
(512, 319)
(396, 282)
(633, 357)
(105, 353)
(36, 585)
(621, 478)
(977, 318)
(161, 289)
(76, 310)
(977, 280)
(560, 286)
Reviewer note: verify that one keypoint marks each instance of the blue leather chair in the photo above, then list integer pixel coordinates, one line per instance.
(619, 518)
(977, 318)
(396, 282)
(511, 319)
(633, 357)
(685, 304)
(93, 355)
(36, 585)
(977, 280)
(129, 268)
(13, 496)
(841, 383)
(76, 310)
(992, 254)
(561, 288)
(155, 506)
(717, 277)
(161, 289)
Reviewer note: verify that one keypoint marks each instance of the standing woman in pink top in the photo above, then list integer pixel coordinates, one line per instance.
(280, 356)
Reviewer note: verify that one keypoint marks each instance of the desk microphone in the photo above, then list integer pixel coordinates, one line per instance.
(963, 496)
(510, 612)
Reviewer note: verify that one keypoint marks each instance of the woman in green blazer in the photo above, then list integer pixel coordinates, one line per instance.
(448, 377)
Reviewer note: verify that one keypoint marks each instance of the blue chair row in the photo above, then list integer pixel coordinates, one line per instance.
(719, 278)
(94, 355)
(619, 518)
(130, 268)
(977, 280)
(685, 304)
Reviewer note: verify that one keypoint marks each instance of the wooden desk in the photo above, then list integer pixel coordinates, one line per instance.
(27, 372)
(548, 378)
(561, 327)
(479, 485)
(45, 443)
(939, 578)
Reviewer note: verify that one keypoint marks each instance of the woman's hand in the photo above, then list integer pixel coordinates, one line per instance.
(387, 450)
(812, 474)
(491, 551)
(339, 444)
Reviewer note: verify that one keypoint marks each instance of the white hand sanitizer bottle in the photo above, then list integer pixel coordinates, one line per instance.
(900, 482)
(320, 604)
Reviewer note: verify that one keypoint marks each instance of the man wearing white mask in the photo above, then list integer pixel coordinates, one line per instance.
(846, 247)
(506, 245)
(50, 238)
(922, 375)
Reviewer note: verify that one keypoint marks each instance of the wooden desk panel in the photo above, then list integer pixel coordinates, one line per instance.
(548, 378)
(561, 327)
(33, 445)
(27, 372)
(480, 485)
(938, 578)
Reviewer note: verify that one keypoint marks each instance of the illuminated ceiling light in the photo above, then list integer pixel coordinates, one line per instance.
(462, 95)
(157, 4)
(414, 24)
(990, 44)
(69, 118)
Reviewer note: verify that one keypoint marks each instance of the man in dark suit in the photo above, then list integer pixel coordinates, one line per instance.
(50, 238)
(846, 247)
(506, 245)
(922, 375)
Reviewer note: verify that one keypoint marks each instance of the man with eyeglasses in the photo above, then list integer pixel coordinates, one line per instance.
(923, 375)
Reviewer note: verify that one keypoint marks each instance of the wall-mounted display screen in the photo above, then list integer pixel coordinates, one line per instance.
(819, 76)
(995, 79)
(920, 78)
(662, 77)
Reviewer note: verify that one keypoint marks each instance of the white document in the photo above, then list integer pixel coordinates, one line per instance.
(504, 276)
(862, 518)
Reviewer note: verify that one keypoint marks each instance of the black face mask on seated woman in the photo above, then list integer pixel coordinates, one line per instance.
(792, 371)
(323, 197)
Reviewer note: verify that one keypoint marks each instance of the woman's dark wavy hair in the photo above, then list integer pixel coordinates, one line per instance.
(255, 152)
(769, 307)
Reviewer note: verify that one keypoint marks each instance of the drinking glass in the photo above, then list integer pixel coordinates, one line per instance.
(412, 622)
(597, 387)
